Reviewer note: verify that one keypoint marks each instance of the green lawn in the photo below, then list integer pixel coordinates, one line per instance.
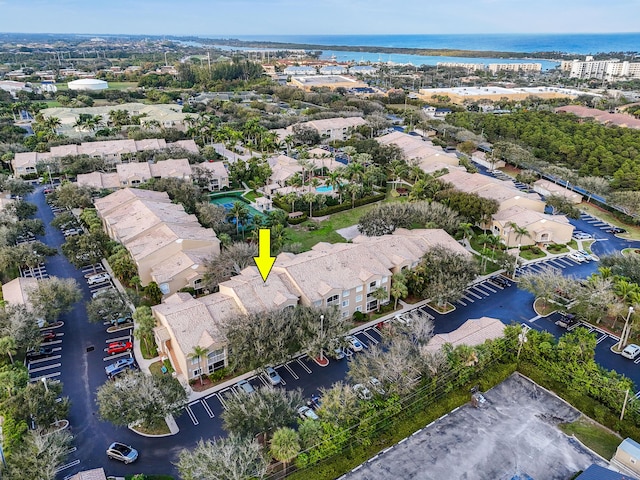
(593, 435)
(529, 255)
(252, 195)
(326, 231)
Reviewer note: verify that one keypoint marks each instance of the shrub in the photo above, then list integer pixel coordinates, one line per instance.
(359, 316)
(297, 221)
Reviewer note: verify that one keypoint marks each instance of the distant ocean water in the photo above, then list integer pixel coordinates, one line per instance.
(578, 44)
(582, 44)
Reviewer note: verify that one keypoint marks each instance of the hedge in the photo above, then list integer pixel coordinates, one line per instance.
(299, 220)
(346, 206)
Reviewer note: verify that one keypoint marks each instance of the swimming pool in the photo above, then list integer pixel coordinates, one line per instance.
(228, 201)
(325, 189)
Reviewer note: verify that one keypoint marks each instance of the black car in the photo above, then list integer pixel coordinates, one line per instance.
(616, 230)
(40, 353)
(567, 320)
(500, 281)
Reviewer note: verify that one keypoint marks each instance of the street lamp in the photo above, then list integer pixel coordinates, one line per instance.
(321, 330)
(625, 331)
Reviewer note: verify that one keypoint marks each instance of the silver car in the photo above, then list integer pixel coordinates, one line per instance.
(245, 386)
(273, 376)
(122, 452)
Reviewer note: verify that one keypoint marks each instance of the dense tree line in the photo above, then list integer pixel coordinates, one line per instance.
(589, 148)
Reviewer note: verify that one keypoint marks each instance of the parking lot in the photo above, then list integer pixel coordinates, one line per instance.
(300, 372)
(514, 433)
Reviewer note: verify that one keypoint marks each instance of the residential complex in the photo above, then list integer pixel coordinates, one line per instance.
(332, 82)
(112, 151)
(168, 245)
(133, 174)
(526, 210)
(494, 67)
(420, 152)
(600, 69)
(343, 275)
(602, 116)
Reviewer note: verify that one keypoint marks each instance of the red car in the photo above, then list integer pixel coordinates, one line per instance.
(119, 347)
(48, 336)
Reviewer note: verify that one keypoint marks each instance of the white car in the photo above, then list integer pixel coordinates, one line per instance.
(577, 257)
(98, 278)
(631, 351)
(363, 392)
(355, 344)
(588, 256)
(273, 376)
(305, 412)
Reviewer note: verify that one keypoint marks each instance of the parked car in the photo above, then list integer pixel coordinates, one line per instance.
(305, 412)
(273, 376)
(577, 257)
(377, 385)
(581, 236)
(245, 386)
(48, 336)
(41, 352)
(500, 281)
(363, 392)
(615, 230)
(338, 353)
(47, 191)
(589, 256)
(120, 366)
(97, 278)
(72, 231)
(122, 452)
(121, 320)
(566, 320)
(102, 291)
(355, 344)
(119, 347)
(631, 351)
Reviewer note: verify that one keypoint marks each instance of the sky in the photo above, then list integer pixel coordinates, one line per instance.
(226, 18)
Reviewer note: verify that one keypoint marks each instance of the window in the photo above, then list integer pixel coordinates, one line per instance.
(346, 293)
(384, 279)
(195, 361)
(345, 313)
(333, 300)
(215, 360)
(196, 372)
(359, 288)
(358, 298)
(345, 303)
(359, 308)
(317, 303)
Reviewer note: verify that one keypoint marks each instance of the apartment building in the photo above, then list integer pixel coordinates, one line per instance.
(420, 151)
(338, 128)
(133, 174)
(600, 69)
(112, 151)
(344, 276)
(168, 245)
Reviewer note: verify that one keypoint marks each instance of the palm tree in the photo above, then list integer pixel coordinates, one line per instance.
(334, 180)
(199, 353)
(240, 212)
(285, 445)
(519, 231)
(466, 229)
(291, 198)
(398, 288)
(8, 347)
(310, 197)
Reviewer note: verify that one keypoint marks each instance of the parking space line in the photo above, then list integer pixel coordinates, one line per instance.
(191, 415)
(482, 292)
(471, 300)
(117, 355)
(207, 408)
(602, 338)
(490, 288)
(474, 294)
(637, 361)
(42, 360)
(49, 375)
(262, 379)
(303, 365)
(47, 367)
(375, 342)
(118, 339)
(222, 402)
(461, 303)
(637, 395)
(67, 465)
(293, 374)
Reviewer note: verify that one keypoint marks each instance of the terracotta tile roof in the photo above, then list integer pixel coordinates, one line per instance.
(472, 332)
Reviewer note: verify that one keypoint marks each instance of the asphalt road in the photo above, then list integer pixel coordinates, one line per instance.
(82, 360)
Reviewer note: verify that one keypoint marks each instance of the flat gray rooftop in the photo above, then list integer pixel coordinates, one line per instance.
(514, 433)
